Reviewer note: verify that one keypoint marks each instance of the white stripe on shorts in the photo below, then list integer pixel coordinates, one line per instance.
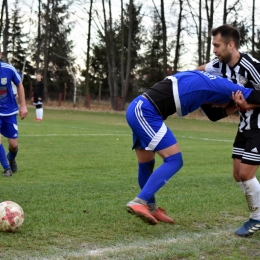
(139, 115)
(251, 157)
(238, 151)
(156, 137)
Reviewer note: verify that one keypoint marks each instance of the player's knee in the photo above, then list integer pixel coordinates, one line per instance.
(13, 147)
(175, 160)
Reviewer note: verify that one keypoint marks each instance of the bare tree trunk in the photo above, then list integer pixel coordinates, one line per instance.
(107, 41)
(6, 33)
(200, 34)
(178, 34)
(210, 12)
(1, 20)
(88, 50)
(164, 31)
(38, 37)
(129, 56)
(46, 53)
(164, 35)
(113, 59)
(197, 21)
(225, 12)
(122, 66)
(253, 28)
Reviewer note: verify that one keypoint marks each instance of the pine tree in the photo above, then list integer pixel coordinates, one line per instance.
(55, 48)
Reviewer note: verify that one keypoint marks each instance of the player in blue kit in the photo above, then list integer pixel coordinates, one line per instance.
(181, 93)
(8, 115)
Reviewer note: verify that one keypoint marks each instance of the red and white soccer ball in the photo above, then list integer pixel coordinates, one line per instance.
(11, 216)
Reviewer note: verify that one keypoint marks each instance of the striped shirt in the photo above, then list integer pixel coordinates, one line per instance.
(246, 72)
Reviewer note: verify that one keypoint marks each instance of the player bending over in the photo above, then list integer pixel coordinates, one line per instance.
(181, 93)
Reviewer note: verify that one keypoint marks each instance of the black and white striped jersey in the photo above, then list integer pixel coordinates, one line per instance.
(246, 72)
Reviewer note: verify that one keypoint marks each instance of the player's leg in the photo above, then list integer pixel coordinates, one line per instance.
(38, 111)
(249, 183)
(12, 153)
(145, 169)
(146, 163)
(3, 160)
(152, 134)
(10, 131)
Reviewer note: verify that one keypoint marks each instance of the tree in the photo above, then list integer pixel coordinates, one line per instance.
(210, 18)
(161, 15)
(178, 37)
(253, 28)
(39, 38)
(18, 48)
(55, 31)
(4, 29)
(18, 40)
(151, 68)
(126, 81)
(88, 54)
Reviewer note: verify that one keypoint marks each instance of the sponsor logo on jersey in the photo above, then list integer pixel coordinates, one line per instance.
(3, 92)
(3, 81)
(242, 80)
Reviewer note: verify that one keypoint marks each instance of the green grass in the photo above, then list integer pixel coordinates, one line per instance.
(77, 171)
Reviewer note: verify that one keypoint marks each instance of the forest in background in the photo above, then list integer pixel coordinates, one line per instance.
(124, 51)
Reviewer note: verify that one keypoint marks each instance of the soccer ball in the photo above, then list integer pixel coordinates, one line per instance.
(11, 216)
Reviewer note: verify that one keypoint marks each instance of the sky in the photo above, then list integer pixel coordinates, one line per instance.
(79, 16)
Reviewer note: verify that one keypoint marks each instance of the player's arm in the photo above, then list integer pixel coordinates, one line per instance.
(216, 113)
(23, 109)
(201, 67)
(251, 102)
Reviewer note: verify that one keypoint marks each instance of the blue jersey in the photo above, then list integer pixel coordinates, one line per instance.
(186, 91)
(8, 104)
(191, 89)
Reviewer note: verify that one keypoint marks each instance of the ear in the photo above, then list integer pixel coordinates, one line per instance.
(231, 45)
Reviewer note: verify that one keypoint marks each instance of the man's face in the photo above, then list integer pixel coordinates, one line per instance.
(38, 77)
(221, 49)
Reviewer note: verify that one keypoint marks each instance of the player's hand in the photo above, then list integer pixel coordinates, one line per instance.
(23, 112)
(239, 99)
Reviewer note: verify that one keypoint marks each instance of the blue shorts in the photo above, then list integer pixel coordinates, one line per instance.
(149, 130)
(8, 126)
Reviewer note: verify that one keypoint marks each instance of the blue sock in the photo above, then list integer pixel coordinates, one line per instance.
(144, 172)
(3, 159)
(11, 155)
(161, 175)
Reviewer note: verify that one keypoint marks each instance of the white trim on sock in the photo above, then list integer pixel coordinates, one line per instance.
(252, 193)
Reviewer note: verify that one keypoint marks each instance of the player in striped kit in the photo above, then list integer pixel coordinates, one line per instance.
(181, 93)
(243, 70)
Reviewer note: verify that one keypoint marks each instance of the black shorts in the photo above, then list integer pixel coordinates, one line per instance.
(247, 147)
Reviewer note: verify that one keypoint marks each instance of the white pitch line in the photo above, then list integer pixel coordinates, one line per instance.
(208, 139)
(75, 135)
(117, 134)
(145, 246)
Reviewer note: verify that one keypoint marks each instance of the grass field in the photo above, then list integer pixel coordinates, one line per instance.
(77, 172)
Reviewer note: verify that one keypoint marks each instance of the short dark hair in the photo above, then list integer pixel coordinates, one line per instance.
(229, 33)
